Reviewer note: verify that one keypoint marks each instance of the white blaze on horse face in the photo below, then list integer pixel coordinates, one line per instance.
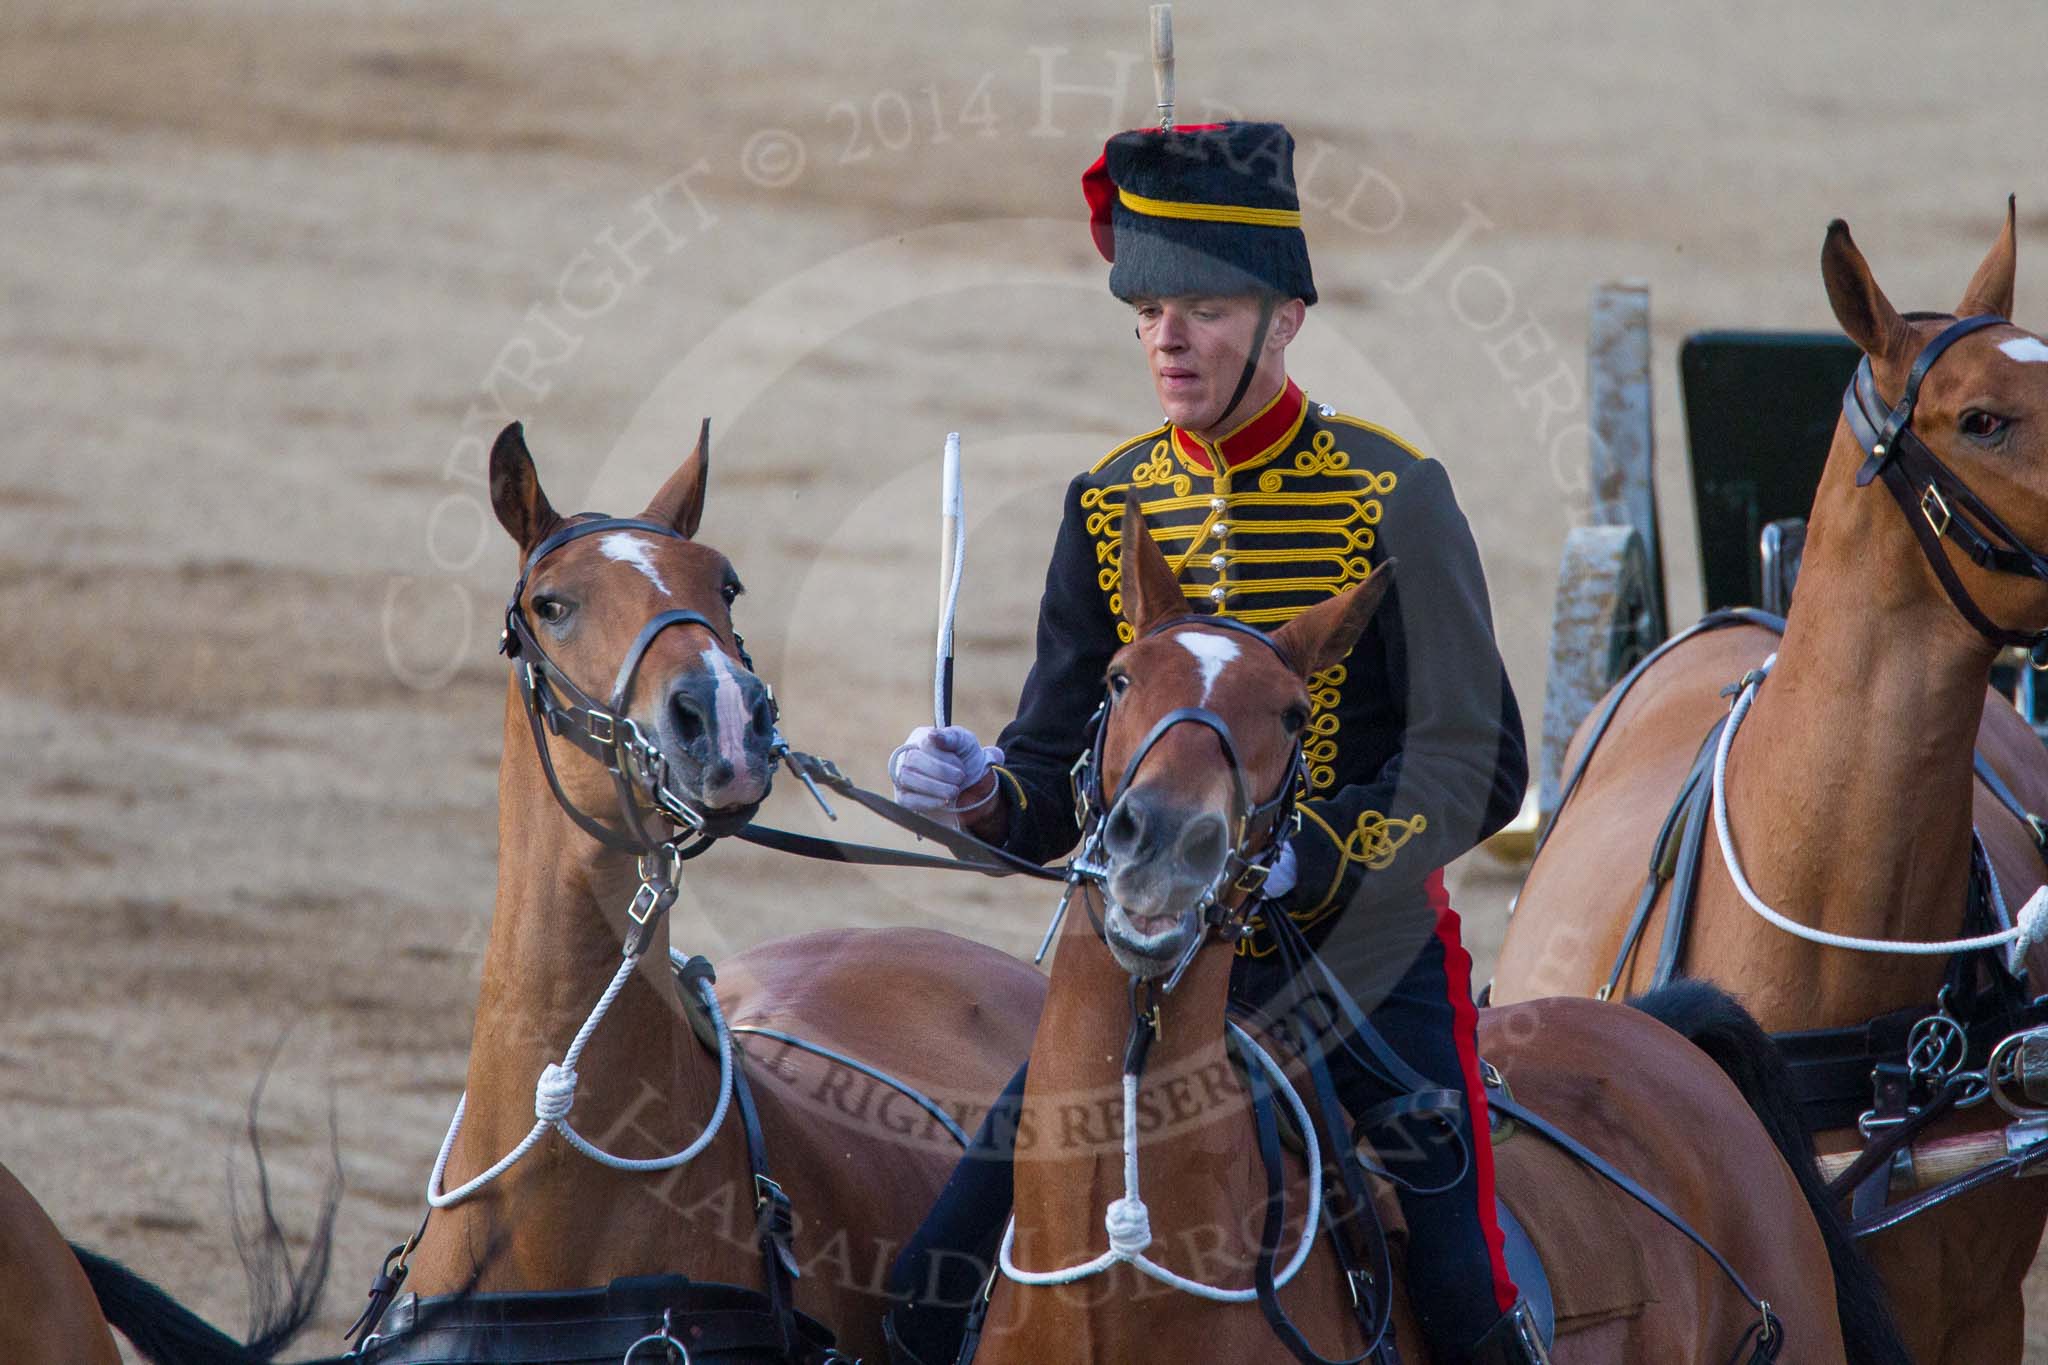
(2026, 350)
(730, 710)
(1212, 652)
(628, 548)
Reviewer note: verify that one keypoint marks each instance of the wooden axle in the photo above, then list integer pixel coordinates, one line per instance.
(1934, 1162)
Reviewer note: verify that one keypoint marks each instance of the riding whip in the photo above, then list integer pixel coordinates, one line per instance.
(952, 558)
(1162, 62)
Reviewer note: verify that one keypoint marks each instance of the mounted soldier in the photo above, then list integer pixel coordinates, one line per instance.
(1266, 501)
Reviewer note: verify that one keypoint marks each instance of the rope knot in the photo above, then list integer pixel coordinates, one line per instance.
(2033, 929)
(554, 1094)
(1129, 1225)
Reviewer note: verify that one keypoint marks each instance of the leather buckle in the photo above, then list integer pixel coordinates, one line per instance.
(1076, 777)
(773, 1213)
(1931, 501)
(602, 725)
(2040, 831)
(650, 903)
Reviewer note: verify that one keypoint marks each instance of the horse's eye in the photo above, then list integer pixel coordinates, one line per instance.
(1982, 425)
(552, 610)
(1119, 683)
(1293, 718)
(730, 592)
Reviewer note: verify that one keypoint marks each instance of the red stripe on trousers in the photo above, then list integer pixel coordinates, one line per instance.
(1465, 1025)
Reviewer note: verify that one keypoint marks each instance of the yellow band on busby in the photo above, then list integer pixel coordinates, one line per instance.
(1209, 213)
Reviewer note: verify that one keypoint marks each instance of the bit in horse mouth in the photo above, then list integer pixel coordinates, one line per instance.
(1151, 926)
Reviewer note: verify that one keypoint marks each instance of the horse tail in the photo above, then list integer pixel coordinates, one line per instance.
(157, 1325)
(1715, 1023)
(283, 1293)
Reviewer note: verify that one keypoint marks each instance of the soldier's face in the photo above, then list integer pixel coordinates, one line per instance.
(1196, 346)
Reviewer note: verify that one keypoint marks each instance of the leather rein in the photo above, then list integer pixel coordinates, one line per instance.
(1937, 503)
(556, 705)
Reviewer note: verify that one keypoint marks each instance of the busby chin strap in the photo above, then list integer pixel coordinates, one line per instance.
(1267, 303)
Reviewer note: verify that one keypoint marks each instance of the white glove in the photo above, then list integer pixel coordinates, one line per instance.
(1280, 880)
(935, 768)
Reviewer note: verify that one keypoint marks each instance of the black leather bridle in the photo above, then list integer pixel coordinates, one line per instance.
(1262, 827)
(556, 705)
(1937, 503)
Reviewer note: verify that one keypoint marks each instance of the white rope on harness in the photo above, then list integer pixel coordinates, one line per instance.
(2030, 929)
(555, 1093)
(1129, 1223)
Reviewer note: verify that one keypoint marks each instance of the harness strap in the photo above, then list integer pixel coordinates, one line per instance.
(1273, 1227)
(1375, 1312)
(972, 854)
(930, 1106)
(1995, 784)
(718, 1324)
(1685, 877)
(774, 1218)
(1663, 862)
(1622, 1181)
(1713, 620)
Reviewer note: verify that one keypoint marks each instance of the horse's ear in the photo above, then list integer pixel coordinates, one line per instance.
(516, 494)
(1990, 288)
(1324, 634)
(680, 503)
(1151, 593)
(1860, 306)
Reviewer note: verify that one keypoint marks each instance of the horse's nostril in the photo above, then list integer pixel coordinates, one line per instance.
(1125, 828)
(689, 720)
(1201, 844)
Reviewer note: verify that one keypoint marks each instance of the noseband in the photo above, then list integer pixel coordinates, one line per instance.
(1226, 903)
(1937, 503)
(555, 705)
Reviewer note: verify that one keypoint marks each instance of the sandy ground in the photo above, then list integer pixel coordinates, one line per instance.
(272, 276)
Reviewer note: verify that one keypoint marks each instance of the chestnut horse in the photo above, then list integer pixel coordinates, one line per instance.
(936, 1010)
(1849, 786)
(52, 1313)
(1633, 1089)
(63, 1302)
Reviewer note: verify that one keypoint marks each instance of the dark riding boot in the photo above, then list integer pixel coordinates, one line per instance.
(1514, 1340)
(938, 1278)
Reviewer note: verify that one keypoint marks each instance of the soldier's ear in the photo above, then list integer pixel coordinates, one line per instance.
(1324, 634)
(1150, 592)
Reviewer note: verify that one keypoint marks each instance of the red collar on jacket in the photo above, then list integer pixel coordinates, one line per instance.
(1255, 436)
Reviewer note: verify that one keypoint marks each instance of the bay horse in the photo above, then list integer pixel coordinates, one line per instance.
(640, 611)
(1849, 788)
(1634, 1090)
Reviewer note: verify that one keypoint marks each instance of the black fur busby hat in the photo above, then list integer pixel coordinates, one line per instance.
(1200, 209)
